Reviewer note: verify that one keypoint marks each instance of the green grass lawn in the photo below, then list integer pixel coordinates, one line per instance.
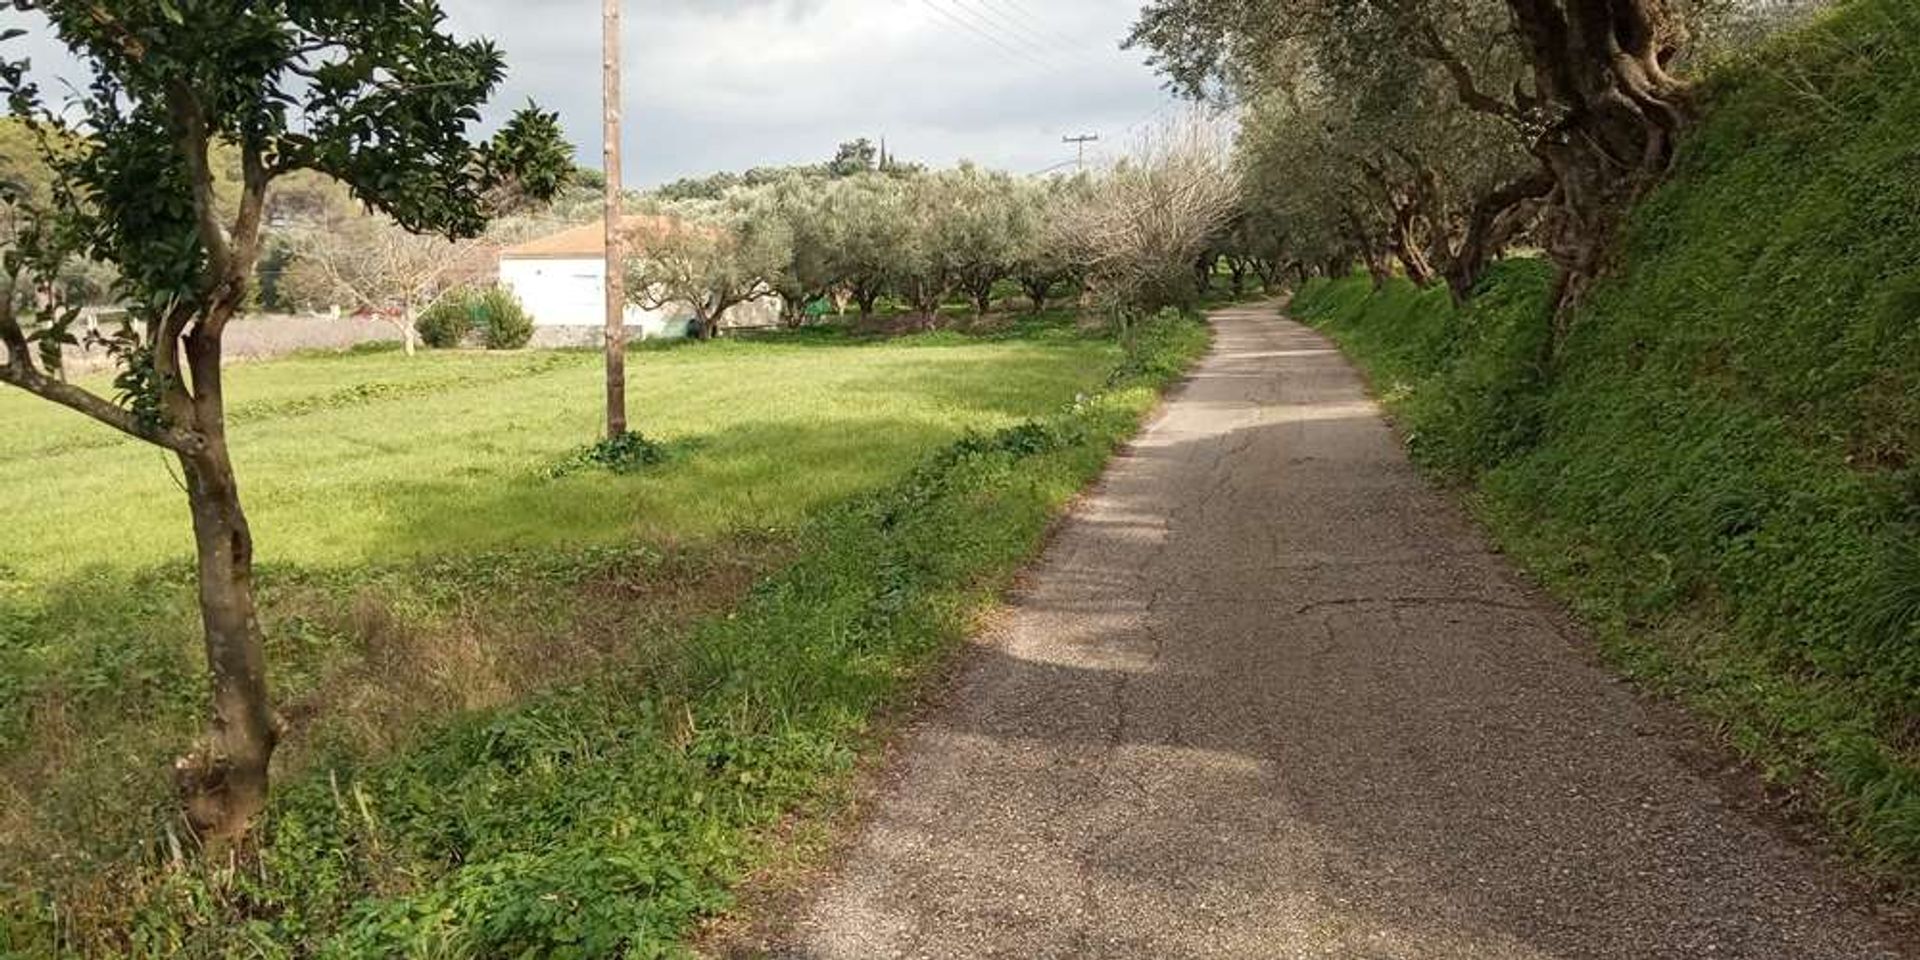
(529, 715)
(369, 458)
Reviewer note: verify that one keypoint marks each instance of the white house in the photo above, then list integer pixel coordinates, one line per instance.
(561, 280)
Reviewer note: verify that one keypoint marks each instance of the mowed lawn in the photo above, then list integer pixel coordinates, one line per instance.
(368, 458)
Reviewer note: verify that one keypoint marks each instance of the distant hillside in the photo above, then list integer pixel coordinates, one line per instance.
(1723, 471)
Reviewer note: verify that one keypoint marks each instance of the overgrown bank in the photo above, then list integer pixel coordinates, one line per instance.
(607, 816)
(1722, 472)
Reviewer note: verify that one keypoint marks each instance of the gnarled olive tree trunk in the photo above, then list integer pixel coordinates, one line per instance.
(1600, 73)
(1037, 290)
(1493, 223)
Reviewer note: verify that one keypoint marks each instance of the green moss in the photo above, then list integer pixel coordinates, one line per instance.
(1721, 473)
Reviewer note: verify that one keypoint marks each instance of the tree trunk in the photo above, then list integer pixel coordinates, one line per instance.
(1378, 270)
(1370, 253)
(1494, 222)
(1037, 290)
(983, 299)
(1601, 66)
(223, 781)
(708, 317)
(926, 301)
(1203, 273)
(407, 331)
(1270, 273)
(1407, 251)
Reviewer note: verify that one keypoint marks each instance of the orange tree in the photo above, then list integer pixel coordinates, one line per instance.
(374, 93)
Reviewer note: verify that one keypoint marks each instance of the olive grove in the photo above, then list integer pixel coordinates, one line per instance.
(1429, 136)
(1124, 239)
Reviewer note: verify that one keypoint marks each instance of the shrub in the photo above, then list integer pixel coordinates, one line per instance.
(446, 323)
(504, 324)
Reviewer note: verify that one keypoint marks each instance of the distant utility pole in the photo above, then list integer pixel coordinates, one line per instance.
(616, 318)
(1081, 141)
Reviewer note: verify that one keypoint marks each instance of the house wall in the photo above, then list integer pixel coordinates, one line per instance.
(571, 294)
(566, 298)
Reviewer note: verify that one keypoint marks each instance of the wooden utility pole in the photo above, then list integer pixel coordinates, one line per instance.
(616, 262)
(1081, 141)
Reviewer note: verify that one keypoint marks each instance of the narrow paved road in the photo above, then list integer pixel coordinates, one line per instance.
(1268, 695)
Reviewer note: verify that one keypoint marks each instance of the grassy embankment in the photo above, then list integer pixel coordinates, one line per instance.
(533, 715)
(1722, 474)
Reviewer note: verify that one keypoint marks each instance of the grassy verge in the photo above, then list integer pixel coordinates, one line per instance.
(606, 809)
(1721, 473)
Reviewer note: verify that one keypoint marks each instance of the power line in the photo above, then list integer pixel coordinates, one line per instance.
(992, 26)
(1020, 12)
(1046, 170)
(976, 31)
(988, 15)
(989, 30)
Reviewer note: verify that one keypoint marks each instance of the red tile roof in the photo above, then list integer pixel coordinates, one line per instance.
(589, 240)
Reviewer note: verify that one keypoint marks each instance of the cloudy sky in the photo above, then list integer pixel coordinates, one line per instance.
(728, 84)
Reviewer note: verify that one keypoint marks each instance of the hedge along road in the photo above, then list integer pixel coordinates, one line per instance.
(1268, 695)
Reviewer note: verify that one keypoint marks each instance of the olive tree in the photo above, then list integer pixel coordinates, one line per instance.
(709, 256)
(922, 271)
(981, 229)
(866, 229)
(1043, 253)
(1147, 220)
(799, 204)
(1586, 87)
(375, 94)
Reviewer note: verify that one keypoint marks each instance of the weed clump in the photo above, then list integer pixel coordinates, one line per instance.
(627, 453)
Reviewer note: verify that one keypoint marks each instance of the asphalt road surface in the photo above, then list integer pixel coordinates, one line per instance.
(1268, 695)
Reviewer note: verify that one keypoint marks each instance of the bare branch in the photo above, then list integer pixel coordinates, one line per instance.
(1434, 48)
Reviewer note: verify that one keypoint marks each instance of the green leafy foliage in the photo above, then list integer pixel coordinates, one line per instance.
(627, 453)
(504, 323)
(446, 324)
(492, 313)
(1720, 474)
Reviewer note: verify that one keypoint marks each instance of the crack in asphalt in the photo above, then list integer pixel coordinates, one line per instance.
(1407, 601)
